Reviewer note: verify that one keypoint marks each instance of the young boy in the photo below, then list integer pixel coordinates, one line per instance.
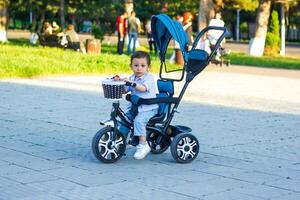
(141, 83)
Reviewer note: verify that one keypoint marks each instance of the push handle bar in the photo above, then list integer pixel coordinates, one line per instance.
(217, 45)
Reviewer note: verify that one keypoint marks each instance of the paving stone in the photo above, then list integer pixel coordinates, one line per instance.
(11, 169)
(30, 177)
(289, 196)
(209, 187)
(43, 196)
(287, 183)
(262, 191)
(232, 195)
(18, 191)
(57, 187)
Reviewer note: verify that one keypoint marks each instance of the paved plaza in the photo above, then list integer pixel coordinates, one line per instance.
(247, 121)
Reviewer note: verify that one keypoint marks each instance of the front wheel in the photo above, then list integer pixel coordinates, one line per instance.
(107, 147)
(184, 148)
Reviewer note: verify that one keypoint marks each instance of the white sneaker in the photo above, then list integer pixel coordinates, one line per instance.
(142, 151)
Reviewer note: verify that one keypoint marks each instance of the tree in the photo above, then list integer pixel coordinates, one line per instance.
(3, 20)
(273, 38)
(206, 12)
(257, 44)
(62, 13)
(238, 6)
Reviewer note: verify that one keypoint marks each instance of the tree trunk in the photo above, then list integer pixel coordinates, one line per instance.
(34, 22)
(257, 44)
(62, 14)
(206, 12)
(41, 24)
(3, 22)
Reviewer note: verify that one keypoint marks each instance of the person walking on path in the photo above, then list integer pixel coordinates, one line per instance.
(121, 29)
(177, 54)
(214, 35)
(150, 39)
(134, 26)
(187, 26)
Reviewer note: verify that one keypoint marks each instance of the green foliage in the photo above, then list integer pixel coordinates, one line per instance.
(244, 27)
(20, 59)
(272, 40)
(274, 22)
(4, 2)
(98, 32)
(265, 61)
(247, 5)
(272, 44)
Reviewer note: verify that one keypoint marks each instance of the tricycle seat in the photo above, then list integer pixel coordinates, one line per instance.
(164, 98)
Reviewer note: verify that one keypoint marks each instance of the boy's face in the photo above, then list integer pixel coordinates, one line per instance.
(139, 66)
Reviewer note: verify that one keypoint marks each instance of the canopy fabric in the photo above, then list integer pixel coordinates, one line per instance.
(163, 29)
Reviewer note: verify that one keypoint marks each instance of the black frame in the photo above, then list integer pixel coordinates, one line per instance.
(173, 101)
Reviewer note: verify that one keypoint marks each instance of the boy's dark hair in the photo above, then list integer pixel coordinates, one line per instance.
(140, 54)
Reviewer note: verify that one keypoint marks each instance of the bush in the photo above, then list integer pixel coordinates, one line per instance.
(272, 45)
(98, 32)
(244, 30)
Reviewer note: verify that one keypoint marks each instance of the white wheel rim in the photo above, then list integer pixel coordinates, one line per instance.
(107, 148)
(185, 148)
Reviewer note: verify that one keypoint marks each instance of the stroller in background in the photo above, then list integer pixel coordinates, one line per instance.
(109, 143)
(221, 53)
(220, 57)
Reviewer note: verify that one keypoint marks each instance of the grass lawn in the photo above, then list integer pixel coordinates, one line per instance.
(20, 59)
(265, 61)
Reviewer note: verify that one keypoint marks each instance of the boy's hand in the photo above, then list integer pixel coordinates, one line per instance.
(130, 83)
(116, 78)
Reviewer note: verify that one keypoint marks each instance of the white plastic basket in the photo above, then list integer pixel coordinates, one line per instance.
(113, 89)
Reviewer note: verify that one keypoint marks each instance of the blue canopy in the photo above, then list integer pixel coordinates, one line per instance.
(163, 29)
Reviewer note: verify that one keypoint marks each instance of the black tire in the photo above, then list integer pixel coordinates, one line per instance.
(158, 143)
(184, 148)
(104, 148)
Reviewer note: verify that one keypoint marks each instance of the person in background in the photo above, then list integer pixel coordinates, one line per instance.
(48, 29)
(187, 26)
(179, 19)
(121, 29)
(134, 26)
(204, 44)
(55, 27)
(213, 35)
(72, 38)
(150, 39)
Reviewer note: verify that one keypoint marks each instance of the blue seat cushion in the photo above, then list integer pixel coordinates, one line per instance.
(162, 107)
(198, 54)
(166, 86)
(197, 61)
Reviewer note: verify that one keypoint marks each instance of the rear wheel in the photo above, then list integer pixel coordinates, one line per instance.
(106, 148)
(158, 142)
(184, 148)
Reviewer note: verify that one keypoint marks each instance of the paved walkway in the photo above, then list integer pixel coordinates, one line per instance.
(246, 119)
